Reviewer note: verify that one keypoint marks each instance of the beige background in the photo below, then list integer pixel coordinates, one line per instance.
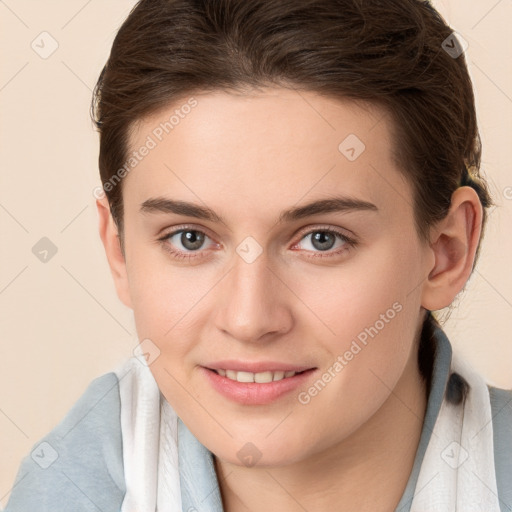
(61, 322)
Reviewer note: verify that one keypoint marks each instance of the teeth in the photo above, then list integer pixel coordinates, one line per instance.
(245, 376)
(278, 375)
(261, 377)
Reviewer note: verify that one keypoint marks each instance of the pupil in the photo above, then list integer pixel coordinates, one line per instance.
(319, 240)
(192, 239)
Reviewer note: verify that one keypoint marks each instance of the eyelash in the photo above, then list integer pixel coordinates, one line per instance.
(348, 242)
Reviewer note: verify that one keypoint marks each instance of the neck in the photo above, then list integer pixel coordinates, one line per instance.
(368, 470)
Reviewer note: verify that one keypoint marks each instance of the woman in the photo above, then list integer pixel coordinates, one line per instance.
(289, 190)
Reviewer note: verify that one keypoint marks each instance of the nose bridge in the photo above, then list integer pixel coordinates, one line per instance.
(252, 280)
(252, 306)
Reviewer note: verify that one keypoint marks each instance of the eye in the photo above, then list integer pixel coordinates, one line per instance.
(187, 240)
(324, 239)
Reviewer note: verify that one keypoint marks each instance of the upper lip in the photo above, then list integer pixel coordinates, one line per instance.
(256, 366)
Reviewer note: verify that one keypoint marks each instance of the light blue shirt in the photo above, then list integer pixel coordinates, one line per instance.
(79, 465)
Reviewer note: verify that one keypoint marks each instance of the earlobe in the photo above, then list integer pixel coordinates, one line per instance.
(454, 241)
(116, 260)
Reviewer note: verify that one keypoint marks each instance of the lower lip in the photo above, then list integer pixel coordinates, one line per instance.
(254, 393)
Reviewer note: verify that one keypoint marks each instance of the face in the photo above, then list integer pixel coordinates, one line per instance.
(263, 283)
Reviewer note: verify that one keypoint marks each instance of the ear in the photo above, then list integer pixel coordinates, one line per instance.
(453, 241)
(116, 260)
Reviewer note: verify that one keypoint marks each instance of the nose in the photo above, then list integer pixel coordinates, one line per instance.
(253, 304)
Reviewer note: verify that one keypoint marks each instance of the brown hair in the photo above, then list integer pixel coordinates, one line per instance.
(393, 53)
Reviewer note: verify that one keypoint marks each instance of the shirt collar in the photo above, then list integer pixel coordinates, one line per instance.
(440, 376)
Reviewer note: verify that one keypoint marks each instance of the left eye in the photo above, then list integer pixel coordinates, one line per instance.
(324, 239)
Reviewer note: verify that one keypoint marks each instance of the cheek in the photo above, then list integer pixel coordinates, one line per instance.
(365, 314)
(161, 292)
(343, 300)
(164, 304)
(172, 307)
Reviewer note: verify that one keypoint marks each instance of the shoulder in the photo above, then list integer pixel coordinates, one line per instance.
(501, 410)
(79, 464)
(501, 405)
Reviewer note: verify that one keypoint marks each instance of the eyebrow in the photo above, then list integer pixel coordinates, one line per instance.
(334, 204)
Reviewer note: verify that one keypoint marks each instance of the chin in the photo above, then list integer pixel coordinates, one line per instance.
(260, 454)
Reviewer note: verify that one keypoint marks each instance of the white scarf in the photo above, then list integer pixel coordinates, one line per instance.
(149, 428)
(454, 478)
(451, 478)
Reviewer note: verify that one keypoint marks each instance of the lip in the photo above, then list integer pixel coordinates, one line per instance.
(253, 393)
(255, 366)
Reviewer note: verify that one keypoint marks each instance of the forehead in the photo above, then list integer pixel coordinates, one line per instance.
(270, 147)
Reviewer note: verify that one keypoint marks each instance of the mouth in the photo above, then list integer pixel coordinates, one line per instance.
(259, 377)
(256, 388)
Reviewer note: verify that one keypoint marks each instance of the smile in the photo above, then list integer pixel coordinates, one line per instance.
(260, 377)
(248, 388)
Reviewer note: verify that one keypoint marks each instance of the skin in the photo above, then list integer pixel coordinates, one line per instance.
(248, 157)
